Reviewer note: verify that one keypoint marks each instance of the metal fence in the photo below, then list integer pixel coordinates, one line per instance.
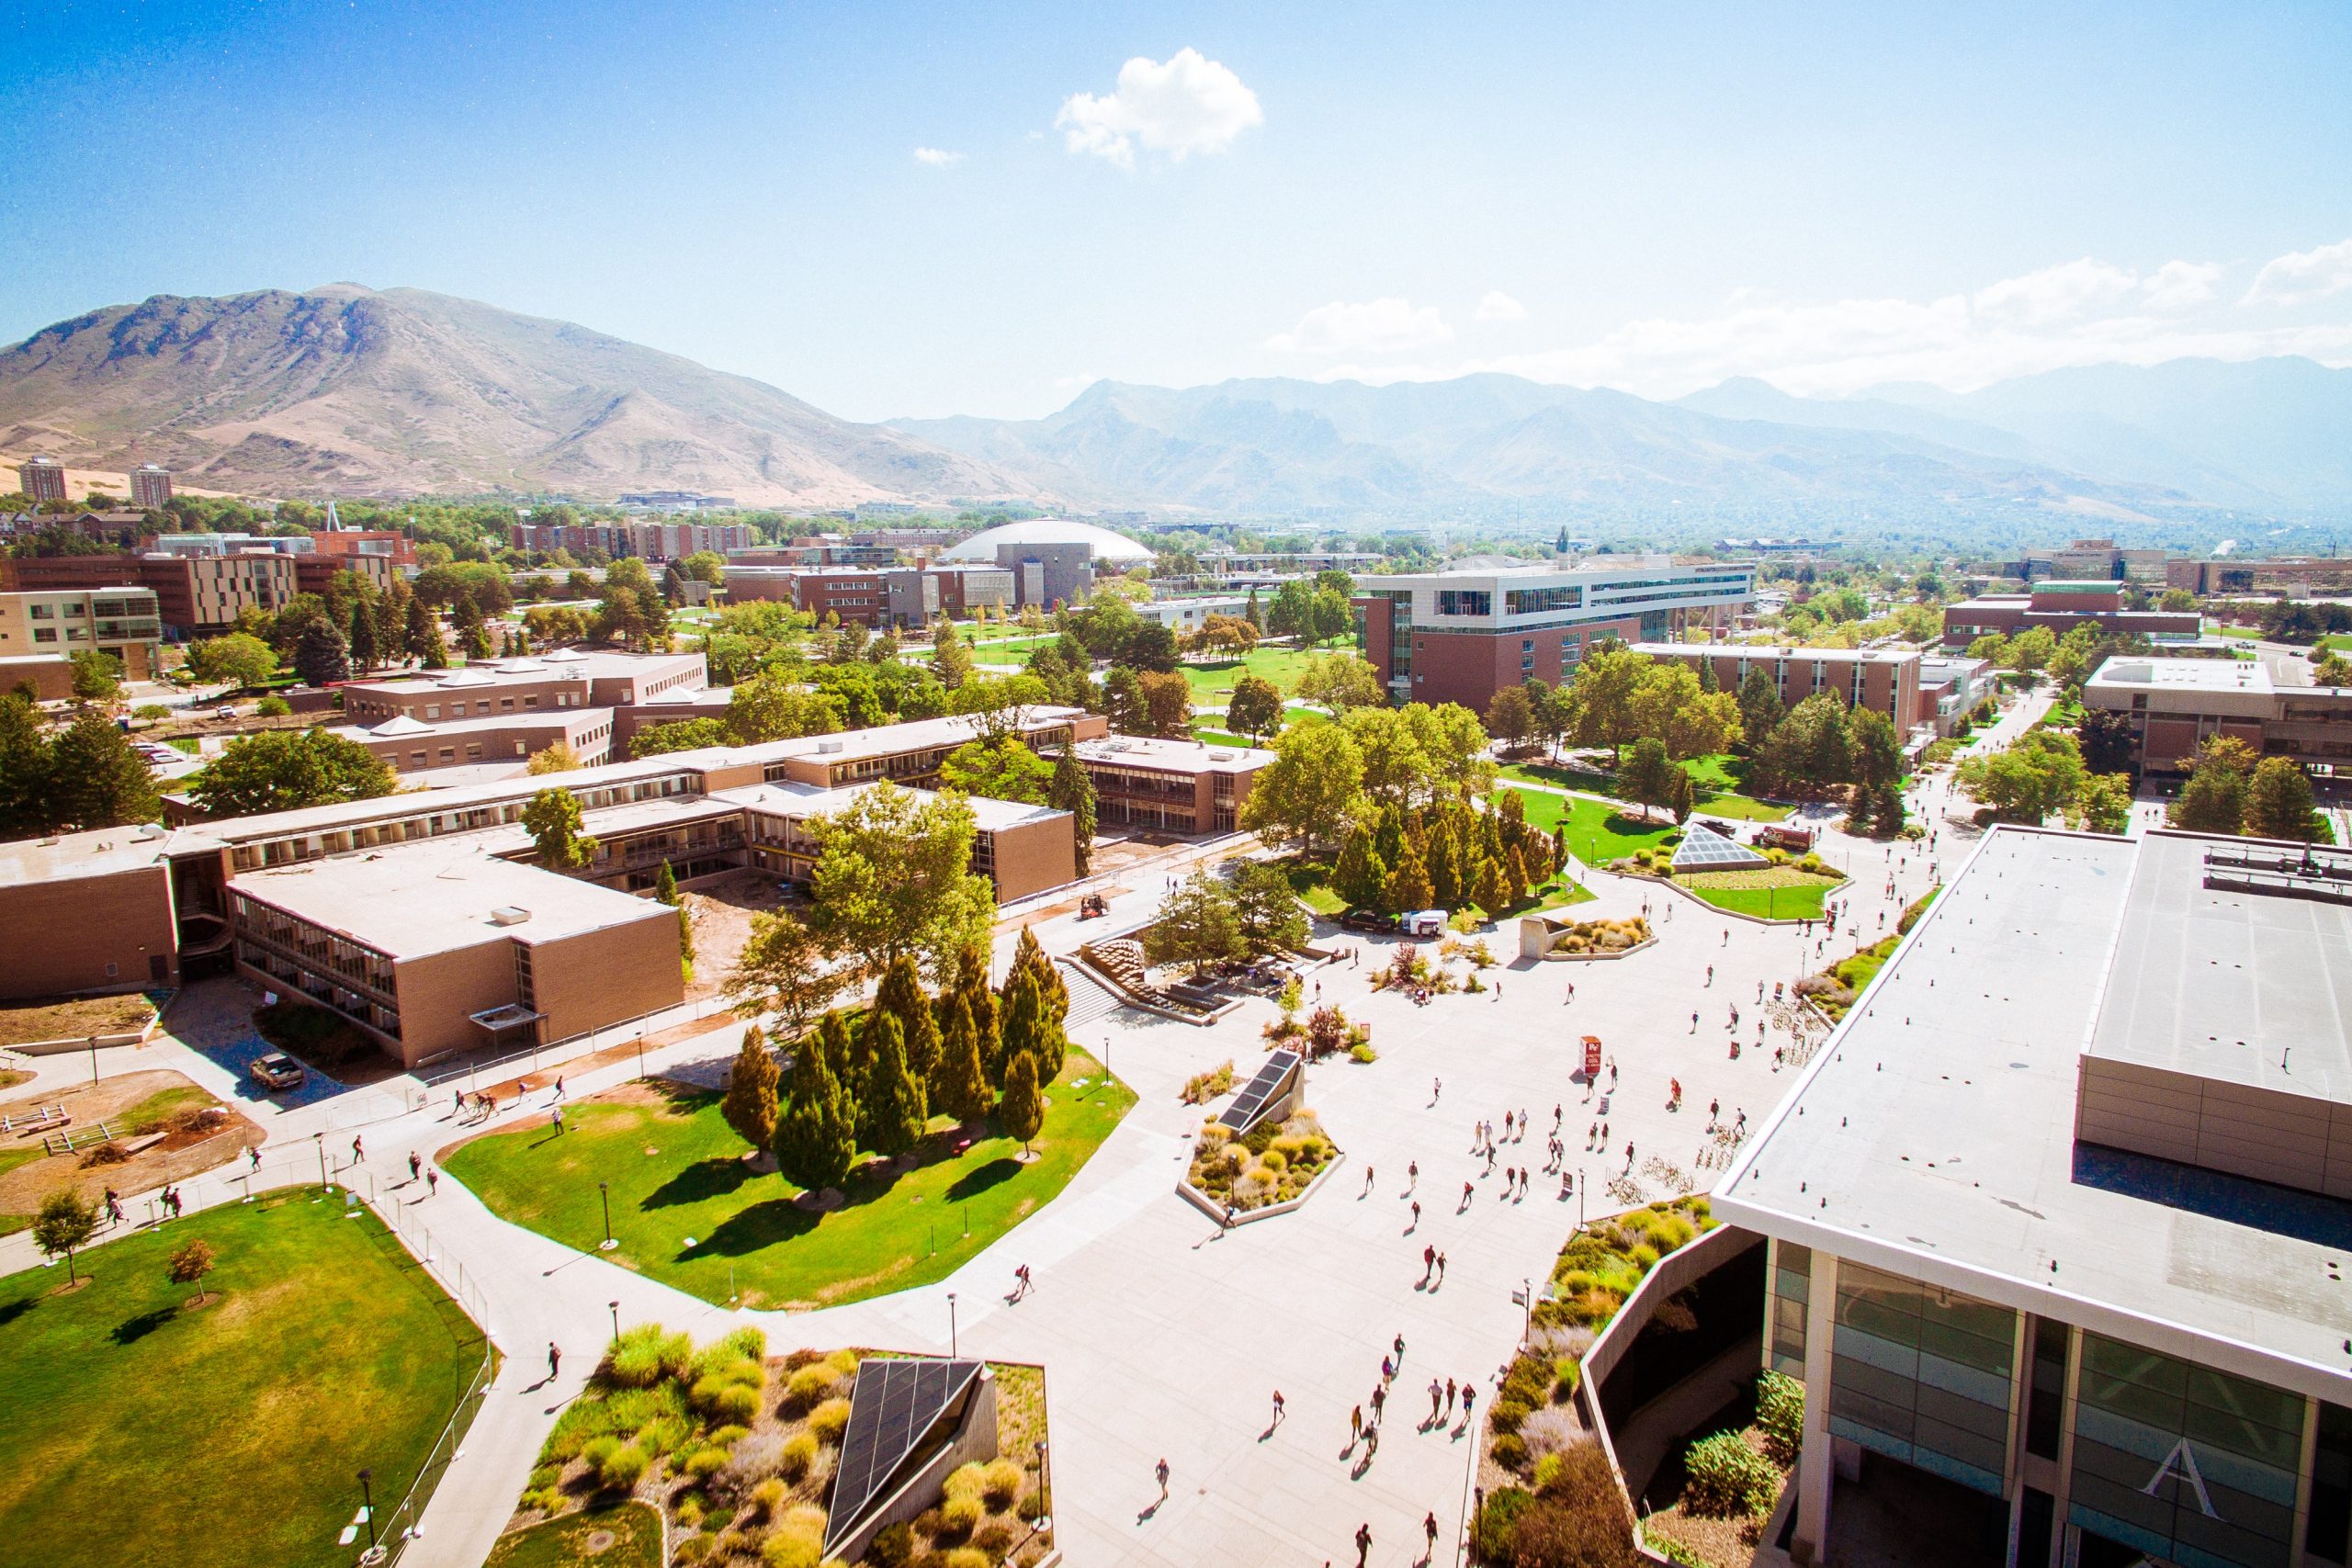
(533, 1058)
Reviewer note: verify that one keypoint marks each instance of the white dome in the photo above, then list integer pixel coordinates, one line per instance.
(1114, 548)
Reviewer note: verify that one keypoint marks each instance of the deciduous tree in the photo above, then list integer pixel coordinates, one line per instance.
(63, 1224)
(1255, 709)
(287, 770)
(2278, 801)
(1197, 925)
(1308, 789)
(893, 876)
(552, 819)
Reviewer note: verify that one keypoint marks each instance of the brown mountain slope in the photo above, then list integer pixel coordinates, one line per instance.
(351, 390)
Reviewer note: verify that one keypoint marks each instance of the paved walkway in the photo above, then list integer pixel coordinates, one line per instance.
(1162, 1335)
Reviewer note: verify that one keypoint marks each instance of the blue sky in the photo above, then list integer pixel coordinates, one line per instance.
(1651, 195)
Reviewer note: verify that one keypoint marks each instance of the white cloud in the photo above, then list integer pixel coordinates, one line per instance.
(1496, 306)
(1377, 326)
(938, 158)
(2054, 293)
(2177, 285)
(2301, 276)
(1189, 105)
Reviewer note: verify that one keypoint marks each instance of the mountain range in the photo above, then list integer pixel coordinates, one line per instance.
(347, 390)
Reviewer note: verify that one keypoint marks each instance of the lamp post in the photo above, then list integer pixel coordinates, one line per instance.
(367, 1506)
(1527, 1300)
(321, 1140)
(1045, 1490)
(616, 1308)
(951, 1326)
(605, 1192)
(1581, 1187)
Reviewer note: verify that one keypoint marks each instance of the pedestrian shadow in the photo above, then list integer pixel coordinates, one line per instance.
(1362, 1466)
(1144, 1516)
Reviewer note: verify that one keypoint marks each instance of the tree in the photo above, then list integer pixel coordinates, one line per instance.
(1668, 704)
(960, 1083)
(321, 655)
(552, 819)
(1760, 705)
(2331, 669)
(1167, 704)
(998, 705)
(1511, 717)
(2107, 739)
(783, 969)
(236, 659)
(1006, 769)
(893, 876)
(1647, 777)
(1308, 789)
(979, 1003)
(64, 1223)
(1122, 700)
(900, 995)
(95, 780)
(24, 804)
(1071, 789)
(1197, 924)
(287, 770)
(2278, 801)
(816, 1132)
(191, 1260)
(1680, 796)
(2215, 798)
(951, 659)
(1022, 1112)
(1266, 910)
(773, 706)
(749, 1107)
(2040, 773)
(422, 637)
(891, 1111)
(1607, 682)
(1874, 750)
(1029, 958)
(1408, 883)
(1340, 682)
(2031, 649)
(98, 675)
(665, 890)
(680, 735)
(1255, 709)
(1292, 614)
(2105, 803)
(2177, 600)
(1808, 749)
(365, 655)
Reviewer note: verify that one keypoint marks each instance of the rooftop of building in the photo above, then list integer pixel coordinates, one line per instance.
(1777, 650)
(563, 664)
(1933, 1135)
(789, 799)
(1046, 533)
(1511, 568)
(100, 851)
(439, 898)
(2249, 675)
(1185, 756)
(402, 727)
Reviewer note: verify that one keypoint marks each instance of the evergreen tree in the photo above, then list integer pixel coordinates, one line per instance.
(422, 635)
(891, 1115)
(1708, 680)
(750, 1106)
(390, 611)
(25, 807)
(816, 1136)
(1514, 871)
(1072, 790)
(1253, 614)
(321, 655)
(1444, 861)
(1029, 958)
(1388, 836)
(900, 996)
(1492, 893)
(960, 1085)
(2278, 801)
(362, 640)
(665, 886)
(1358, 874)
(1679, 797)
(951, 660)
(1409, 884)
(1759, 706)
(972, 985)
(1023, 1111)
(95, 780)
(1025, 1027)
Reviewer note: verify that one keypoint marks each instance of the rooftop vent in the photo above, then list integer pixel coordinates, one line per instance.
(828, 746)
(509, 915)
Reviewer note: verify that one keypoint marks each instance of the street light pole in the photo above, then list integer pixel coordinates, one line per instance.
(1581, 1185)
(367, 1506)
(604, 1191)
(951, 1326)
(616, 1307)
(321, 1140)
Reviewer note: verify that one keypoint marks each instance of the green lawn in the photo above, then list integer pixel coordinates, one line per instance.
(141, 1431)
(1716, 786)
(1213, 682)
(1781, 893)
(1598, 832)
(636, 1528)
(675, 1173)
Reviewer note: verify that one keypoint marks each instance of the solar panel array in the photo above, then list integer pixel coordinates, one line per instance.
(896, 1403)
(1250, 1103)
(1703, 849)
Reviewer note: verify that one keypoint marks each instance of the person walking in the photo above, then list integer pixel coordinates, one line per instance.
(432, 1181)
(1367, 1180)
(1437, 1089)
(415, 1166)
(1380, 1394)
(1469, 1394)
(1160, 1470)
(1412, 1176)
(1280, 1410)
(555, 1361)
(559, 1086)
(1441, 1268)
(1436, 1389)
(252, 1154)
(356, 1154)
(1466, 1192)
(1429, 1260)
(1363, 1545)
(556, 1116)
(1450, 1391)
(1416, 1214)
(1356, 1422)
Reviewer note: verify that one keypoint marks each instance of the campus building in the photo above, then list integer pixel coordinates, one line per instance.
(1461, 636)
(506, 710)
(198, 592)
(1175, 786)
(2089, 559)
(1882, 680)
(875, 596)
(1953, 687)
(2288, 575)
(124, 622)
(41, 478)
(2177, 704)
(1053, 560)
(151, 486)
(2058, 1216)
(644, 540)
(2063, 607)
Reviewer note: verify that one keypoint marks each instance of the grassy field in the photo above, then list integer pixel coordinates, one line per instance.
(1716, 786)
(1598, 833)
(1781, 893)
(143, 1430)
(636, 1530)
(675, 1173)
(1213, 682)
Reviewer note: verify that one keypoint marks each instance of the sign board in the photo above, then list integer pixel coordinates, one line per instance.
(1592, 1055)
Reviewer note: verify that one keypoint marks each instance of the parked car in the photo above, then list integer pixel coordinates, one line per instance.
(1367, 920)
(276, 1071)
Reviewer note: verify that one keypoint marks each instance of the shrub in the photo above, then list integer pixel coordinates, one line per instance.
(1567, 1376)
(596, 1450)
(704, 1463)
(962, 1516)
(968, 1557)
(1728, 1477)
(736, 1402)
(828, 1419)
(1032, 1505)
(150, 710)
(1780, 1415)
(843, 1363)
(799, 1453)
(964, 1481)
(747, 1343)
(893, 1547)
(623, 1467)
(1003, 1477)
(1509, 1451)
(546, 1476)
(1506, 1416)
(688, 1512)
(768, 1497)
(727, 1436)
(1548, 1469)
(993, 1537)
(1490, 1532)
(694, 1549)
(809, 1385)
(635, 1358)
(271, 708)
(799, 1538)
(1364, 1053)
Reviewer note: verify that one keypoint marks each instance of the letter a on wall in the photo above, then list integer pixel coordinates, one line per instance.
(2181, 1463)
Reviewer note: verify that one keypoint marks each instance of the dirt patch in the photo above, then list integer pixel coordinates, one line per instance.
(722, 910)
(191, 1143)
(74, 1018)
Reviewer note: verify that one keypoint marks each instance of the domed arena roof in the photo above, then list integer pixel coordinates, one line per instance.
(1115, 550)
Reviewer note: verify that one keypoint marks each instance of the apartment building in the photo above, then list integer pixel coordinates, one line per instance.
(2063, 607)
(875, 596)
(41, 478)
(197, 594)
(94, 911)
(412, 746)
(387, 543)
(125, 622)
(1022, 850)
(1173, 786)
(1882, 680)
(2056, 1217)
(1461, 636)
(151, 486)
(652, 541)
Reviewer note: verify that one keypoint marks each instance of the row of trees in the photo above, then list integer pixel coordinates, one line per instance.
(1445, 855)
(84, 775)
(967, 1051)
(2234, 791)
(1326, 773)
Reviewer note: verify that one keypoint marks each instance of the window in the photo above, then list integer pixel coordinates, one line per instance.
(1466, 602)
(44, 634)
(433, 710)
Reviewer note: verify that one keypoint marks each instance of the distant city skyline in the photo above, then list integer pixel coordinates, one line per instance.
(907, 211)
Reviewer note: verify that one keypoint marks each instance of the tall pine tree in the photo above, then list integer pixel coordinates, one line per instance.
(959, 1088)
(892, 1113)
(900, 996)
(1071, 789)
(363, 656)
(972, 985)
(816, 1136)
(750, 1106)
(1025, 1027)
(1023, 1112)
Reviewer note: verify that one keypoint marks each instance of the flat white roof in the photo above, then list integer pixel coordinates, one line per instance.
(2129, 673)
(788, 799)
(1179, 756)
(1933, 1135)
(420, 899)
(564, 664)
(1774, 650)
(99, 852)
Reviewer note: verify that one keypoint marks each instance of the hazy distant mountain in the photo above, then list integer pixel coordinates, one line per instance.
(345, 389)
(1427, 447)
